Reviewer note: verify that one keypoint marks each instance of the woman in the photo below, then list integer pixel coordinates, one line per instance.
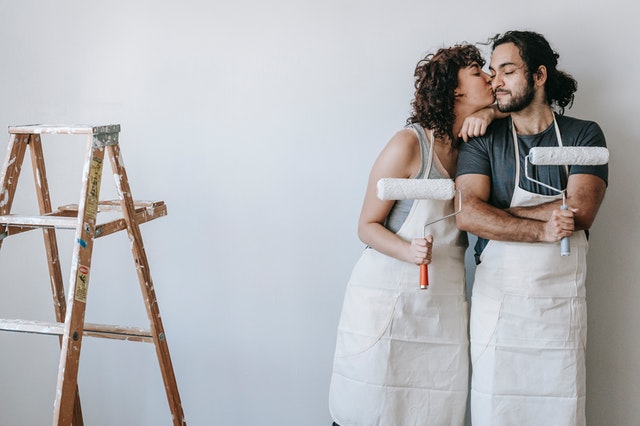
(401, 353)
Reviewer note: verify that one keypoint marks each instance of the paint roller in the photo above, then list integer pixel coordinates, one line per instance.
(419, 189)
(565, 156)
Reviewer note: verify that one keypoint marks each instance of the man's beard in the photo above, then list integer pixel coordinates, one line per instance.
(518, 102)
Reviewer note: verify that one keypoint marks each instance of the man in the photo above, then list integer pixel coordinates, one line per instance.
(528, 314)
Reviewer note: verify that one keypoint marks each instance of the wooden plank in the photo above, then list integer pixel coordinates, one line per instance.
(9, 175)
(63, 406)
(17, 229)
(146, 286)
(61, 129)
(65, 218)
(114, 205)
(51, 245)
(46, 221)
(142, 215)
(105, 331)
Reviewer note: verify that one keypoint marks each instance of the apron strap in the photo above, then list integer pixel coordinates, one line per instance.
(517, 148)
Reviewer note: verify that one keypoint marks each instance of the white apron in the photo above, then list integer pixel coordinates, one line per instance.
(528, 329)
(402, 353)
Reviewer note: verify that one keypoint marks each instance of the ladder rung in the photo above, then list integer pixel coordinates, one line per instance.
(113, 206)
(143, 214)
(57, 129)
(39, 221)
(92, 330)
(66, 218)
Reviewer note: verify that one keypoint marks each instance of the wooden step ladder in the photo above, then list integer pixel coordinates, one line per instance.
(83, 217)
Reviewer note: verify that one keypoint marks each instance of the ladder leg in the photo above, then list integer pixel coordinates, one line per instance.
(78, 286)
(10, 173)
(51, 246)
(146, 286)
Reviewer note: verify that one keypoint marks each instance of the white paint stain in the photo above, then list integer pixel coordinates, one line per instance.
(5, 198)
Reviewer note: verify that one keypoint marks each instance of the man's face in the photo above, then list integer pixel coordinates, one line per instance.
(511, 82)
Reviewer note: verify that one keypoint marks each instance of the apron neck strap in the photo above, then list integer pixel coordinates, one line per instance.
(432, 146)
(517, 148)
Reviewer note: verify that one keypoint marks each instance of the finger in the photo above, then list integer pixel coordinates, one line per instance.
(420, 242)
(463, 134)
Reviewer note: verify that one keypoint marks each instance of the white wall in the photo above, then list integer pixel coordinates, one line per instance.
(257, 122)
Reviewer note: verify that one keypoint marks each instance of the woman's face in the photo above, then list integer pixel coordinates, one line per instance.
(474, 88)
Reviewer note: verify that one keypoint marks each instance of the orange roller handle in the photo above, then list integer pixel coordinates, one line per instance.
(424, 277)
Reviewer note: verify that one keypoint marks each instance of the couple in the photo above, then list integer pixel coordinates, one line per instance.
(402, 354)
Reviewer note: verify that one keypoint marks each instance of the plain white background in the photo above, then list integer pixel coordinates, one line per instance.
(257, 123)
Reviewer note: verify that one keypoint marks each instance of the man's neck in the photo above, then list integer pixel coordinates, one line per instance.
(533, 119)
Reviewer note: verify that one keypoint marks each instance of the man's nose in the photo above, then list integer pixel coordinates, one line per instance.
(496, 82)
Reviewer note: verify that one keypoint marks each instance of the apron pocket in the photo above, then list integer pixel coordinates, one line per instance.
(366, 315)
(369, 303)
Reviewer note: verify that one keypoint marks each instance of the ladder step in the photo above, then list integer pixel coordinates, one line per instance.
(143, 213)
(48, 221)
(93, 330)
(58, 129)
(66, 218)
(115, 206)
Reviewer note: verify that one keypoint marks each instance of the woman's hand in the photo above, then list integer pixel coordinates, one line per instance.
(420, 250)
(476, 124)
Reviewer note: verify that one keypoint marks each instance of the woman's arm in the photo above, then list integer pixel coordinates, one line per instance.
(400, 158)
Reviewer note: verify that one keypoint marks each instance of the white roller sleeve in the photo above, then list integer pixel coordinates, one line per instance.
(569, 155)
(415, 189)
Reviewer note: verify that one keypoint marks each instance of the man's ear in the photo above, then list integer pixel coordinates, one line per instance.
(540, 76)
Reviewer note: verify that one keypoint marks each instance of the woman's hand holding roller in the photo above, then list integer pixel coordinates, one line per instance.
(420, 250)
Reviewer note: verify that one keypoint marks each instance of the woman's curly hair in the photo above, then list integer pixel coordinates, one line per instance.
(436, 78)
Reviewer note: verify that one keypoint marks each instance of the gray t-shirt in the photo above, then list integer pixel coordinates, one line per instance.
(493, 155)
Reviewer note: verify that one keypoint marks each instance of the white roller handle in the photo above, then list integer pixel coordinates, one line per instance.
(565, 249)
(569, 155)
(415, 189)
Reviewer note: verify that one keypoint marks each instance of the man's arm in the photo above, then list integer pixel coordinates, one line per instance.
(486, 221)
(584, 196)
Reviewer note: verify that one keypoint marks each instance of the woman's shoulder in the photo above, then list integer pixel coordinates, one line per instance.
(401, 154)
(405, 139)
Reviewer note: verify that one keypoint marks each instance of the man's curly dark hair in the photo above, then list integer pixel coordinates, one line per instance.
(436, 78)
(536, 51)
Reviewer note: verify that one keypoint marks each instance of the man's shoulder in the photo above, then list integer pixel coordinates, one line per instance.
(495, 133)
(575, 122)
(580, 128)
(498, 123)
(586, 133)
